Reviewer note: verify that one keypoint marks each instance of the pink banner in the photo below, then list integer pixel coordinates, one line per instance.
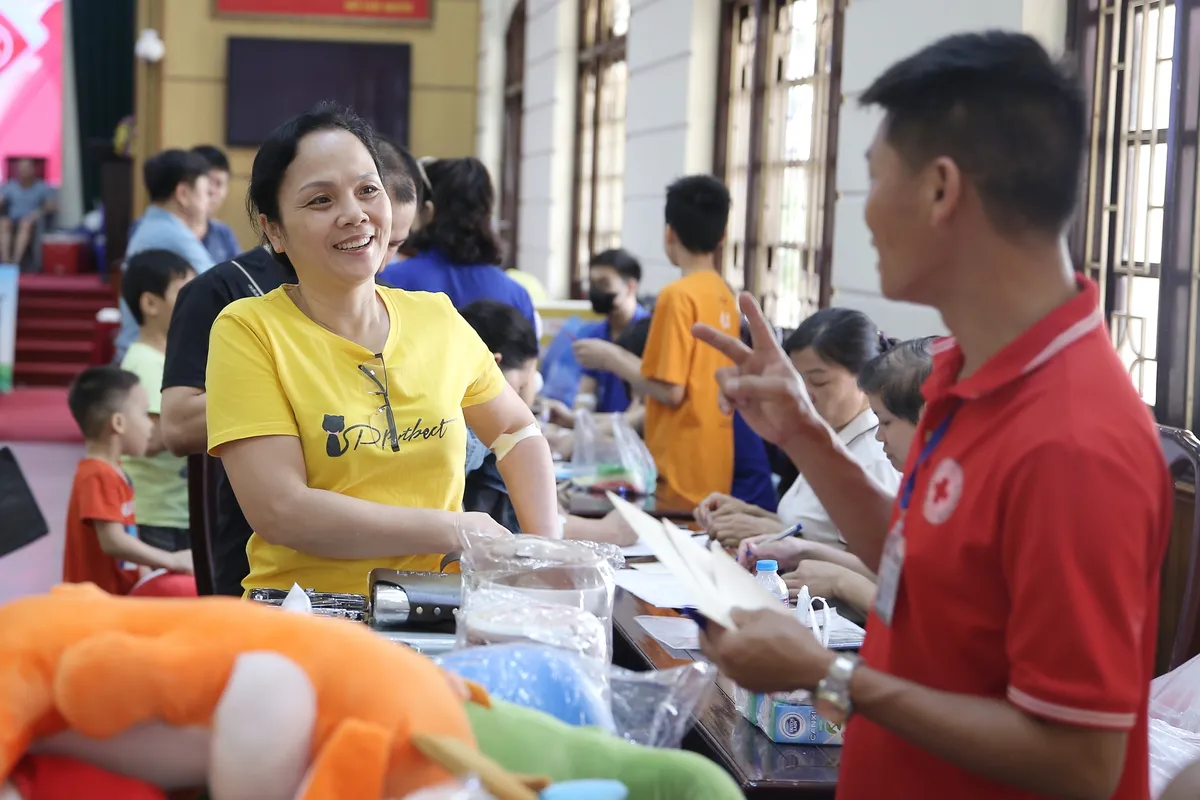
(31, 82)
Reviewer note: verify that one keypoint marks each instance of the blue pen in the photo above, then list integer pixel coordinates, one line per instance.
(792, 531)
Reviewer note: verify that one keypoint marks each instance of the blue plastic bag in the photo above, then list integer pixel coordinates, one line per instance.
(560, 371)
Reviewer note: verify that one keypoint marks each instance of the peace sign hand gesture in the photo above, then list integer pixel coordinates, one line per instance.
(762, 385)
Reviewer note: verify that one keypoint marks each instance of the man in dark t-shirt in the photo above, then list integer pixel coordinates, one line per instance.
(251, 274)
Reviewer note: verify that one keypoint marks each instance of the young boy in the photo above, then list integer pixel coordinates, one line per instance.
(110, 407)
(689, 436)
(150, 283)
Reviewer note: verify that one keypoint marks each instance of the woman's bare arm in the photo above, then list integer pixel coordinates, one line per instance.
(528, 469)
(271, 483)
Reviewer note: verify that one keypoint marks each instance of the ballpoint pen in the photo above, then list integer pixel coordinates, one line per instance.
(792, 531)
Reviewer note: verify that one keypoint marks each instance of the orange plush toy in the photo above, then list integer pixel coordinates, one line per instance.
(252, 701)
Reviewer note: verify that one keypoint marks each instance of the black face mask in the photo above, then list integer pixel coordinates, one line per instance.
(602, 301)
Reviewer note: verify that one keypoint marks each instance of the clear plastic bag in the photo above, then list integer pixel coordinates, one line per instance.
(1174, 724)
(530, 588)
(648, 708)
(610, 455)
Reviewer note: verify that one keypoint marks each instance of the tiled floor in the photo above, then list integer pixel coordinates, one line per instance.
(48, 469)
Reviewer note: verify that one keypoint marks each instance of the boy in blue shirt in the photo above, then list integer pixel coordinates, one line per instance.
(613, 278)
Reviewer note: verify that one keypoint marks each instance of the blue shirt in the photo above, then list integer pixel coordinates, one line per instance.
(429, 271)
(159, 229)
(611, 395)
(21, 201)
(751, 468)
(220, 242)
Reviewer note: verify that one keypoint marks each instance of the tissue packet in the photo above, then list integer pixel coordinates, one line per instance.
(790, 719)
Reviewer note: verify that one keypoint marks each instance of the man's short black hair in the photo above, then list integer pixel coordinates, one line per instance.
(214, 155)
(96, 394)
(896, 376)
(504, 330)
(698, 211)
(150, 271)
(1010, 118)
(164, 172)
(620, 261)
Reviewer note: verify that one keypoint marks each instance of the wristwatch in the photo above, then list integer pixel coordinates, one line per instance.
(833, 692)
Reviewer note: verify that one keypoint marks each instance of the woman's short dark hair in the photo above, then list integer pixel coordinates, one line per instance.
(279, 151)
(504, 330)
(461, 228)
(840, 336)
(897, 375)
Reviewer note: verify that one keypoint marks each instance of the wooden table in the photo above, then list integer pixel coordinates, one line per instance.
(762, 768)
(663, 504)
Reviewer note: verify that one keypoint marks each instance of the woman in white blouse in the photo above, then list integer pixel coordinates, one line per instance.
(829, 349)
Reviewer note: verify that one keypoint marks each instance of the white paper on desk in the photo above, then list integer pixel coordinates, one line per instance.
(716, 582)
(679, 633)
(660, 589)
(642, 550)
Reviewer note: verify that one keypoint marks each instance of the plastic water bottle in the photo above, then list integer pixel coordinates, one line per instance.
(766, 572)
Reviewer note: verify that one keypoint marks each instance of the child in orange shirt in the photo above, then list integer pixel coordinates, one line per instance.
(110, 407)
(689, 436)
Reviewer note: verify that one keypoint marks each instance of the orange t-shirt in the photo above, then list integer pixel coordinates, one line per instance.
(692, 444)
(100, 493)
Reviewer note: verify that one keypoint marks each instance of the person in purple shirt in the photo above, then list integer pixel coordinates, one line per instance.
(458, 252)
(613, 278)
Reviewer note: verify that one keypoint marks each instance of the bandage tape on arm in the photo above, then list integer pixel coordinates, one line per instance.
(505, 442)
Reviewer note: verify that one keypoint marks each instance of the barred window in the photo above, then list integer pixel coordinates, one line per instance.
(514, 110)
(777, 150)
(600, 132)
(1133, 44)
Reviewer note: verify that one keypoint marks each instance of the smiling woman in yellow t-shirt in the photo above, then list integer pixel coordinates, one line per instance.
(340, 408)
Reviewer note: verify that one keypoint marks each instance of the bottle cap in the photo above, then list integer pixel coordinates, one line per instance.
(767, 565)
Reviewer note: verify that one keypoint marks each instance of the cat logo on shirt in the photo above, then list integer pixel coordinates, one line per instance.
(726, 320)
(340, 439)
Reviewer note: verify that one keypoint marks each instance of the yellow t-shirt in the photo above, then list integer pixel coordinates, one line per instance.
(692, 445)
(274, 372)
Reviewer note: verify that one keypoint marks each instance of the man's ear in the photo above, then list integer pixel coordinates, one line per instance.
(499, 358)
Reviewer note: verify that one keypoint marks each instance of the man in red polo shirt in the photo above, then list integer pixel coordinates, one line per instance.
(1011, 646)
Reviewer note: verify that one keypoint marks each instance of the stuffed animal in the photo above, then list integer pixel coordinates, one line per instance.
(251, 701)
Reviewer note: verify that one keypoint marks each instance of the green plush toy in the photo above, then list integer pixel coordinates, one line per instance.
(529, 742)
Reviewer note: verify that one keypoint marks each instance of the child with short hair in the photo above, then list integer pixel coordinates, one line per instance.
(150, 283)
(110, 406)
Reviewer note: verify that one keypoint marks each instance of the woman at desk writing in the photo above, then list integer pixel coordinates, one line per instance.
(340, 408)
(828, 350)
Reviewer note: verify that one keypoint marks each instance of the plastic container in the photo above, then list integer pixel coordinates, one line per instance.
(766, 573)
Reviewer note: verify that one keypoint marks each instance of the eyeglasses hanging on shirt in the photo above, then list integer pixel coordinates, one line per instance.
(375, 372)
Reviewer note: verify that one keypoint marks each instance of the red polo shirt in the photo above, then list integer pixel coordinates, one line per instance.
(1035, 535)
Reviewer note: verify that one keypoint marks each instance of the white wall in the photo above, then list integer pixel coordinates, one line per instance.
(879, 33)
(672, 53)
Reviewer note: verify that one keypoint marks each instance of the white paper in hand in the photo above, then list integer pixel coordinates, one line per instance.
(716, 580)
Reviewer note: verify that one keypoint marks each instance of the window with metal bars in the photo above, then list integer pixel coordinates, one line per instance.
(776, 149)
(600, 133)
(1128, 47)
(514, 110)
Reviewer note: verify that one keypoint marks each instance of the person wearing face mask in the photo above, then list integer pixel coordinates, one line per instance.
(613, 278)
(829, 350)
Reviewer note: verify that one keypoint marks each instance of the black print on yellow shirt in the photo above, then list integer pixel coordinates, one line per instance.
(339, 439)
